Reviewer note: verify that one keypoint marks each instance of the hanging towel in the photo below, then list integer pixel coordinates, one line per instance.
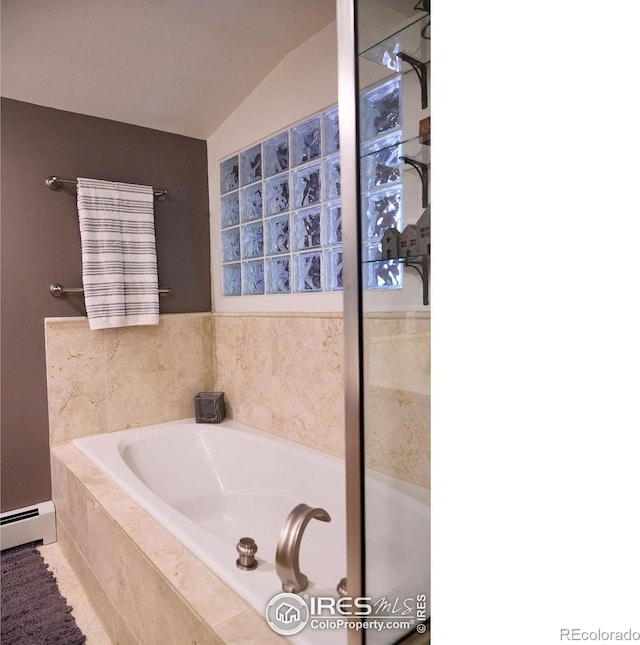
(119, 269)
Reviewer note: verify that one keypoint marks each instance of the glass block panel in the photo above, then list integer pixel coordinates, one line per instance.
(276, 195)
(332, 225)
(380, 109)
(306, 186)
(253, 278)
(380, 163)
(305, 142)
(251, 203)
(229, 210)
(250, 165)
(231, 285)
(333, 269)
(276, 154)
(307, 271)
(382, 210)
(330, 131)
(306, 229)
(252, 240)
(384, 274)
(229, 175)
(276, 235)
(231, 245)
(331, 177)
(278, 275)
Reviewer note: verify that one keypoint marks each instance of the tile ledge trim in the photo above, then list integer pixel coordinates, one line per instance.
(412, 315)
(71, 319)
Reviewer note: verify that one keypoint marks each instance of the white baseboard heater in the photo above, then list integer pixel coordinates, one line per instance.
(28, 524)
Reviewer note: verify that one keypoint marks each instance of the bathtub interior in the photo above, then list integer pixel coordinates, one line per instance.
(212, 485)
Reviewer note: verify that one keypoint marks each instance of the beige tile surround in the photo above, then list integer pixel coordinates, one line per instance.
(281, 373)
(144, 585)
(112, 379)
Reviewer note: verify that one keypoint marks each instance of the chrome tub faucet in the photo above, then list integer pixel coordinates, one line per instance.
(288, 551)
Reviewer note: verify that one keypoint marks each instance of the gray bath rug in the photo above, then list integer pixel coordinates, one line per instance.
(33, 610)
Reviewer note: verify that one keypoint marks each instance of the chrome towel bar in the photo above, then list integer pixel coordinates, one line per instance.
(57, 290)
(53, 182)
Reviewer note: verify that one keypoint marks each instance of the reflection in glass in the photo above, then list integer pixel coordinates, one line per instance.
(231, 244)
(306, 186)
(380, 109)
(333, 269)
(332, 177)
(229, 175)
(331, 131)
(278, 275)
(229, 210)
(252, 240)
(380, 163)
(253, 278)
(277, 235)
(250, 165)
(231, 280)
(382, 210)
(305, 142)
(276, 195)
(308, 271)
(276, 154)
(332, 225)
(306, 229)
(251, 203)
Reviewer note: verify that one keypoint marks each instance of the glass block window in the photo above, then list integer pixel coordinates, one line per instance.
(280, 208)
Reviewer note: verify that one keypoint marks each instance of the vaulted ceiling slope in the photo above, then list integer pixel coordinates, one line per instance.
(180, 66)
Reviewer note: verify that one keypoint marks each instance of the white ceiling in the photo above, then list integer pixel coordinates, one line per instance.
(180, 66)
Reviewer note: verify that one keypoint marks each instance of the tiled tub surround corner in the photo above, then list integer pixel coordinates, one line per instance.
(100, 381)
(145, 586)
(282, 373)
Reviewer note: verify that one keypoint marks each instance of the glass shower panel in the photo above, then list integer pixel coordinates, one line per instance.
(395, 357)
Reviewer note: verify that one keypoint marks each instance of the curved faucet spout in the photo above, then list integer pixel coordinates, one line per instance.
(288, 551)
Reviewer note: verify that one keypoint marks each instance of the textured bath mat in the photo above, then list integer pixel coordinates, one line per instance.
(33, 610)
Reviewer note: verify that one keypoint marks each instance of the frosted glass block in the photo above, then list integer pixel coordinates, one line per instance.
(251, 203)
(278, 275)
(276, 195)
(231, 285)
(331, 177)
(276, 235)
(251, 238)
(306, 229)
(253, 278)
(306, 186)
(276, 154)
(384, 274)
(229, 175)
(380, 109)
(307, 272)
(382, 210)
(231, 245)
(333, 269)
(250, 165)
(305, 142)
(229, 210)
(380, 163)
(330, 131)
(332, 224)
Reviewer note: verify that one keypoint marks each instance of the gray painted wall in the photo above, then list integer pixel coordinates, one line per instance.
(41, 244)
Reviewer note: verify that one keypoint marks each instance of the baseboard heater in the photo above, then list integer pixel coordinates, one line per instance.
(28, 524)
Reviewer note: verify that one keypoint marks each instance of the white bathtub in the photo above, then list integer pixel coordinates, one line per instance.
(210, 485)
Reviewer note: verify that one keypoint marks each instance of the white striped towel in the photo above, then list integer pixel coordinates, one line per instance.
(119, 269)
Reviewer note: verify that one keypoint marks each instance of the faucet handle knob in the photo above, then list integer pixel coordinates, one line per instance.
(247, 549)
